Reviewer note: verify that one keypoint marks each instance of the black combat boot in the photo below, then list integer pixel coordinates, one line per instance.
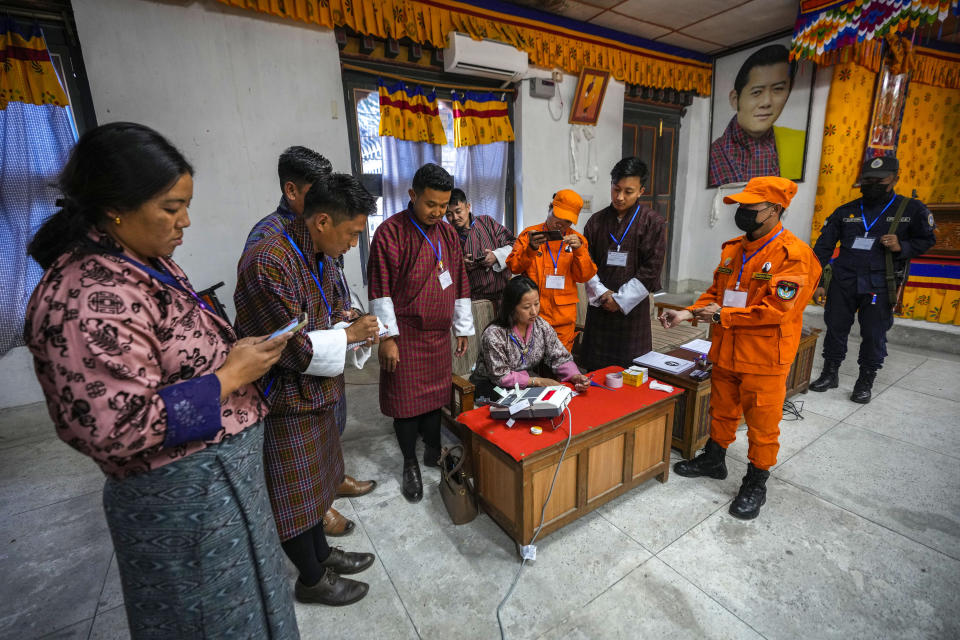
(829, 377)
(863, 385)
(711, 463)
(752, 495)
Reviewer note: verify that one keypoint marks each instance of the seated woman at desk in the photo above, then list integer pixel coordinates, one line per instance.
(518, 341)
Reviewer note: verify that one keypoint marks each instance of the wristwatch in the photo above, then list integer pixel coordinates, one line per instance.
(716, 317)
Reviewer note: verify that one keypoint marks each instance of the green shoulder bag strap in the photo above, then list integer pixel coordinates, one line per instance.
(888, 254)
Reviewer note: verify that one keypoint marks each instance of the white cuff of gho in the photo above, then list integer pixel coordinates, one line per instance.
(630, 295)
(329, 349)
(383, 309)
(463, 318)
(594, 289)
(501, 255)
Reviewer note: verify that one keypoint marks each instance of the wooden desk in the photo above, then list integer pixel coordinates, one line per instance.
(600, 464)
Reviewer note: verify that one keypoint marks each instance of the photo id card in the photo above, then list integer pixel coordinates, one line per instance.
(616, 258)
(445, 279)
(863, 244)
(734, 298)
(555, 282)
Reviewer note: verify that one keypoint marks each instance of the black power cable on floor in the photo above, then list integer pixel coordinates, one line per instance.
(792, 411)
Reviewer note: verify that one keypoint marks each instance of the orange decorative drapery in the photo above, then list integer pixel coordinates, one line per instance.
(480, 118)
(407, 113)
(26, 73)
(548, 44)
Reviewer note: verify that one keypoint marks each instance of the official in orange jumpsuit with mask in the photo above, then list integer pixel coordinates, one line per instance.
(760, 288)
(556, 265)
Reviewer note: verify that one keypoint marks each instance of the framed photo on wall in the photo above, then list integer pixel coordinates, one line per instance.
(588, 99)
(760, 114)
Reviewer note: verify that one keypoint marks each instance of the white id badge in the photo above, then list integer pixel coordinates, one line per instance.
(863, 244)
(616, 258)
(734, 298)
(445, 279)
(555, 282)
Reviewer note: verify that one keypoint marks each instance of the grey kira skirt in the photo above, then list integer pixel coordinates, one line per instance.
(197, 547)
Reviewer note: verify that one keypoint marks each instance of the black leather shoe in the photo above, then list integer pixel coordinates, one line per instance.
(331, 590)
(829, 377)
(862, 388)
(412, 482)
(752, 494)
(431, 457)
(346, 563)
(710, 463)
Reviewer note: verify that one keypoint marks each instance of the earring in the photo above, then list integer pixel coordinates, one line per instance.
(117, 220)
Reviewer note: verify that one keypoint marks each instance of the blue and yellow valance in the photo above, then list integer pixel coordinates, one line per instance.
(550, 41)
(480, 118)
(407, 113)
(26, 72)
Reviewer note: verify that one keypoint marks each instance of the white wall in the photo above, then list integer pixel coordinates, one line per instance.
(696, 246)
(543, 150)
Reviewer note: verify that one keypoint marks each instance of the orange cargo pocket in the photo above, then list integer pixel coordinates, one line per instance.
(755, 345)
(788, 345)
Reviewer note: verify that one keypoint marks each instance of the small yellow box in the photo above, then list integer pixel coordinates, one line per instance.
(635, 376)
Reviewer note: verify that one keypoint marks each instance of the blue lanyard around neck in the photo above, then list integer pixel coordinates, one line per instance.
(164, 277)
(744, 259)
(437, 248)
(307, 265)
(620, 241)
(523, 349)
(546, 243)
(863, 216)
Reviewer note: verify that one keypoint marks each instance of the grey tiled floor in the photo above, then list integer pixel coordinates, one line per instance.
(860, 537)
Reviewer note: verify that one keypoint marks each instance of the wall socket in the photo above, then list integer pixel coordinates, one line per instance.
(587, 204)
(556, 75)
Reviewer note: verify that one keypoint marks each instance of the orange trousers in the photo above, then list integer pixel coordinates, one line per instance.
(759, 399)
(563, 320)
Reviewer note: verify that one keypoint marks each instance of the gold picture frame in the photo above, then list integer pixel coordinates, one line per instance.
(588, 99)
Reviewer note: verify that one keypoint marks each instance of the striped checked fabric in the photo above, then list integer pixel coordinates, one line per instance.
(612, 337)
(736, 157)
(270, 224)
(304, 462)
(403, 268)
(485, 233)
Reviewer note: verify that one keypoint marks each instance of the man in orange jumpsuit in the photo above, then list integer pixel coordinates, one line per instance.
(763, 282)
(556, 265)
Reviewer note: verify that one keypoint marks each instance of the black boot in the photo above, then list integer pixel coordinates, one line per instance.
(711, 463)
(861, 389)
(331, 590)
(412, 482)
(344, 562)
(431, 456)
(752, 495)
(829, 377)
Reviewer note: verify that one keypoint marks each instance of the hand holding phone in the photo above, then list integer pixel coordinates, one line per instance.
(294, 325)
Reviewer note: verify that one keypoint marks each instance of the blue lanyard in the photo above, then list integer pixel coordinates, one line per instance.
(523, 350)
(620, 241)
(546, 243)
(437, 249)
(307, 265)
(744, 259)
(166, 278)
(863, 216)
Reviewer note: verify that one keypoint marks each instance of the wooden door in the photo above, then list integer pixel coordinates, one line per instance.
(651, 133)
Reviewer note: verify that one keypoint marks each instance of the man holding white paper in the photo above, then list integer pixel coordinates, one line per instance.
(763, 282)
(279, 278)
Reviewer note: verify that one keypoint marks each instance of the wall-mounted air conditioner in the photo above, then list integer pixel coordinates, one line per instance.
(484, 58)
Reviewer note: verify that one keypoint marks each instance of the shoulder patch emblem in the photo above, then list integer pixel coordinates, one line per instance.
(930, 220)
(724, 270)
(766, 267)
(787, 290)
(877, 163)
(727, 261)
(762, 276)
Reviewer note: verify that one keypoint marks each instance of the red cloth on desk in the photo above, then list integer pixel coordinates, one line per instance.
(592, 409)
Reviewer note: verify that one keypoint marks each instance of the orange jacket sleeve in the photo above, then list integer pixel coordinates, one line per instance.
(522, 255)
(789, 292)
(582, 268)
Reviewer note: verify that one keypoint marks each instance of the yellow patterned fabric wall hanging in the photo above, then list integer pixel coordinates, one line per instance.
(407, 113)
(26, 73)
(480, 118)
(929, 149)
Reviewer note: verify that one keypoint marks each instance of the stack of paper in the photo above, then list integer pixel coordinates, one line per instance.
(670, 364)
(698, 345)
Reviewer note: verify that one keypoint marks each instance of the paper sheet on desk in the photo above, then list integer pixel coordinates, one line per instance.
(663, 362)
(699, 345)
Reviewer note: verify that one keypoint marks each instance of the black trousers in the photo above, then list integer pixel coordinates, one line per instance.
(875, 317)
(426, 425)
(306, 551)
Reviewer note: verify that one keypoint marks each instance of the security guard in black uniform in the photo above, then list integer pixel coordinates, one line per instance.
(859, 284)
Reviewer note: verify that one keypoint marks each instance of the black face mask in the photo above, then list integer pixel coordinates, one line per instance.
(746, 220)
(874, 193)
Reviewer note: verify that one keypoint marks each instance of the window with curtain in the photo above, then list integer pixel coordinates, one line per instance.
(37, 131)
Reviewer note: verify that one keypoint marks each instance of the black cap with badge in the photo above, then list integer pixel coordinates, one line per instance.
(879, 167)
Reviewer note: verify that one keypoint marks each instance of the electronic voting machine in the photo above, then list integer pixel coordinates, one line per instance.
(532, 402)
